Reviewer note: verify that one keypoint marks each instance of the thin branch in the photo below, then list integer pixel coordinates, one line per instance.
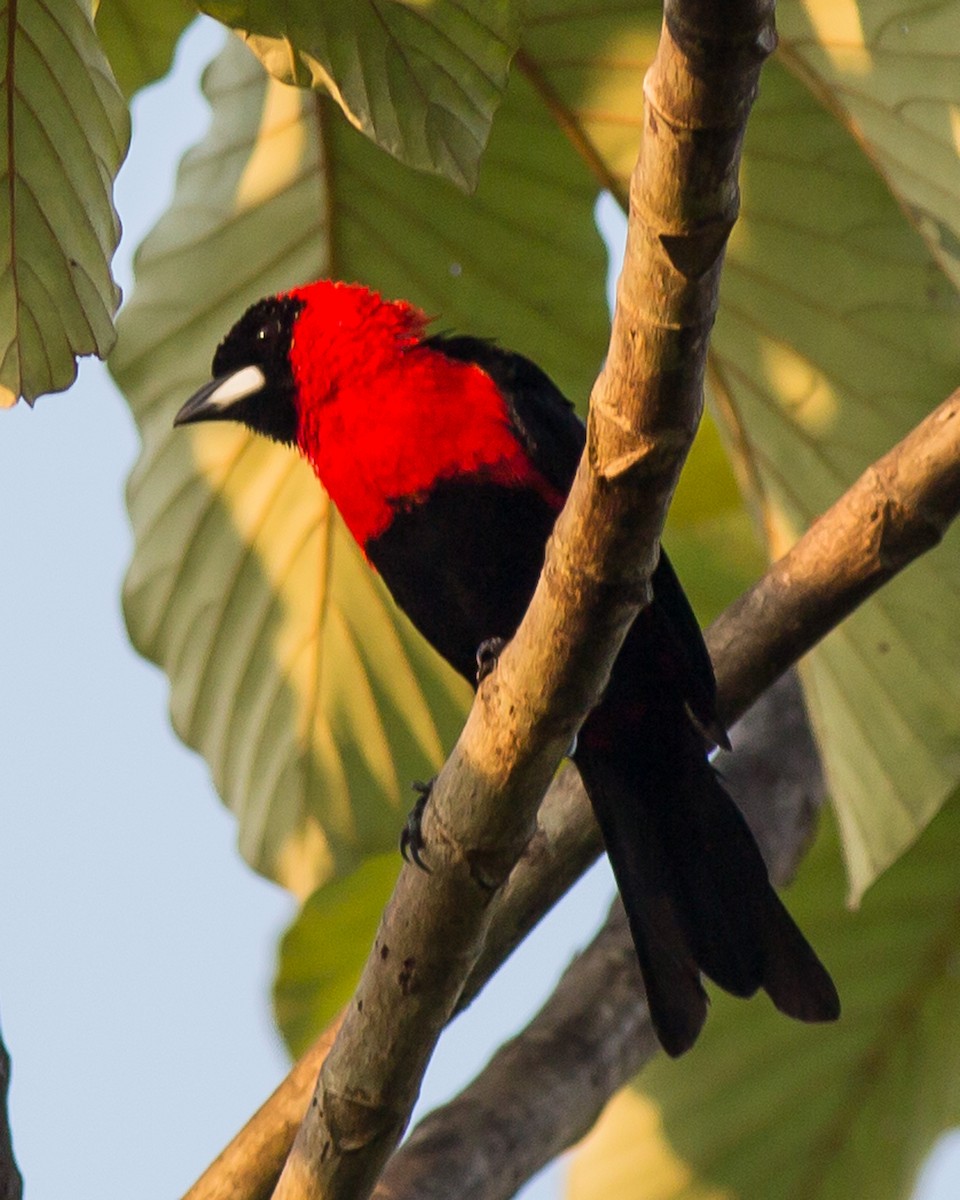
(11, 1182)
(897, 509)
(249, 1167)
(643, 414)
(543, 1090)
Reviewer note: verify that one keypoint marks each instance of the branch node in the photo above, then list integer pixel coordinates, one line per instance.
(618, 451)
(696, 253)
(355, 1122)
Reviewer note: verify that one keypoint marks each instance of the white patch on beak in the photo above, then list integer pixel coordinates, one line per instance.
(237, 386)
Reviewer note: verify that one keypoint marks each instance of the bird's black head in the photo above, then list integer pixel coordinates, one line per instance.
(252, 376)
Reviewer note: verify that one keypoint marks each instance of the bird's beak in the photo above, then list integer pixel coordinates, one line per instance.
(218, 400)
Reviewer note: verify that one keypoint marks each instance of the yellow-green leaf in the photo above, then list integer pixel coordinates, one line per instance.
(888, 69)
(423, 79)
(66, 130)
(311, 697)
(323, 951)
(839, 329)
(765, 1106)
(838, 332)
(709, 535)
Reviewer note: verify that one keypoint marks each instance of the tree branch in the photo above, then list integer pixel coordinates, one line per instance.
(11, 1183)
(564, 845)
(804, 595)
(643, 414)
(543, 1090)
(249, 1167)
(897, 509)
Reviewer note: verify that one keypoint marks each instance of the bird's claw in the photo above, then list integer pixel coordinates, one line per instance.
(488, 654)
(411, 836)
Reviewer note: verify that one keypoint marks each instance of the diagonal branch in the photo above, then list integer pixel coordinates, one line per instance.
(643, 414)
(543, 1090)
(565, 844)
(897, 509)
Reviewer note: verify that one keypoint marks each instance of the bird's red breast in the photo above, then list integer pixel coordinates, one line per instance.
(384, 417)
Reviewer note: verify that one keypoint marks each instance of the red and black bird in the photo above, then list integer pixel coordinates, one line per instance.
(449, 459)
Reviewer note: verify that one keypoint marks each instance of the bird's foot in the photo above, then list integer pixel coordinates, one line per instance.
(488, 655)
(411, 836)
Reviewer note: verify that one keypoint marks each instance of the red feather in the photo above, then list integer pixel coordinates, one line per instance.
(366, 385)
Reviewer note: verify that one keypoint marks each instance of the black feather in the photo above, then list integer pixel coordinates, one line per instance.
(463, 563)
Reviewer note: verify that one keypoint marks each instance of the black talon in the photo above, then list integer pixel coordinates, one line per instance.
(411, 836)
(488, 654)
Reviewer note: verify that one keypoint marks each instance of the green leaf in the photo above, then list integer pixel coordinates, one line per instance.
(837, 333)
(422, 79)
(67, 129)
(311, 697)
(140, 38)
(765, 1106)
(888, 70)
(323, 951)
(709, 535)
(839, 329)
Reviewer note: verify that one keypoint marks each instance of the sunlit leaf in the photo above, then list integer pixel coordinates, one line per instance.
(837, 333)
(323, 951)
(839, 329)
(710, 538)
(65, 134)
(310, 696)
(888, 68)
(765, 1106)
(423, 78)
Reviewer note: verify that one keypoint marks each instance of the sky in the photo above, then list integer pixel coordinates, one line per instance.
(136, 947)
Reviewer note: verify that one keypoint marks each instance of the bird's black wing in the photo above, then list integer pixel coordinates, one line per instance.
(542, 417)
(546, 423)
(692, 879)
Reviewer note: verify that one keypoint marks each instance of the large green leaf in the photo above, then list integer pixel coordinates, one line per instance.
(423, 79)
(66, 130)
(765, 1106)
(837, 333)
(140, 38)
(888, 69)
(311, 698)
(838, 330)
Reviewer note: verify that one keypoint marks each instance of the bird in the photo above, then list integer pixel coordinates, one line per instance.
(449, 459)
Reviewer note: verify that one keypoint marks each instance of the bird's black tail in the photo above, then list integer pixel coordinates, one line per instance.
(693, 883)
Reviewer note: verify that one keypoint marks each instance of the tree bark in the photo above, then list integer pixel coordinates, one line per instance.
(644, 412)
(820, 581)
(543, 1090)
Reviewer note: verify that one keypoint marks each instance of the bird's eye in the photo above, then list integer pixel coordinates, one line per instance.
(268, 339)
